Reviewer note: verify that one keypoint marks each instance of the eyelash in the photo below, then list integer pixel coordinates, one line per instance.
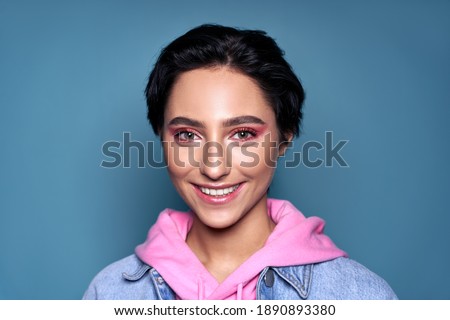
(186, 140)
(180, 139)
(251, 132)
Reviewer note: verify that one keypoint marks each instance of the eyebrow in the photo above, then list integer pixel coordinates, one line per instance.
(242, 120)
(187, 122)
(227, 123)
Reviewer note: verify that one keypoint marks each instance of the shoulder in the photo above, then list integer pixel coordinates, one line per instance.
(119, 280)
(343, 278)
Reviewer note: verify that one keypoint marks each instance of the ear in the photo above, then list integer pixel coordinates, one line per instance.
(285, 144)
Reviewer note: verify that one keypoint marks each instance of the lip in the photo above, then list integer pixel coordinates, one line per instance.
(216, 186)
(218, 200)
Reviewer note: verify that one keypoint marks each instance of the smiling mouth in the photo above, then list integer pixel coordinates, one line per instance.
(218, 192)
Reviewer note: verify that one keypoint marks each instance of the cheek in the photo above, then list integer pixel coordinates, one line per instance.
(253, 158)
(181, 160)
(175, 160)
(271, 157)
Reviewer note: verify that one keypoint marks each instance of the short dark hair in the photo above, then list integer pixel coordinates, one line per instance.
(251, 52)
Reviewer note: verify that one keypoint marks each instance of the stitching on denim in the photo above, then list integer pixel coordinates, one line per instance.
(307, 279)
(291, 280)
(165, 292)
(137, 275)
(154, 276)
(258, 284)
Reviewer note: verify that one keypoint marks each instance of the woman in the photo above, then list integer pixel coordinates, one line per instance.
(226, 105)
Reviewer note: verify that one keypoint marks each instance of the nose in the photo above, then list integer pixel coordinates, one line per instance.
(214, 164)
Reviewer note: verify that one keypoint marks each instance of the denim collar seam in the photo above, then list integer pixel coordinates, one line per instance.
(301, 288)
(136, 275)
(154, 276)
(258, 284)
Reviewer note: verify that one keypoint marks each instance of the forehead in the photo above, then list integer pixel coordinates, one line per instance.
(216, 93)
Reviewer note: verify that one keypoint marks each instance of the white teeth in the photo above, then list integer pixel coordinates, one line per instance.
(219, 192)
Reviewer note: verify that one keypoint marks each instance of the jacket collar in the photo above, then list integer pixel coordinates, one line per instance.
(299, 277)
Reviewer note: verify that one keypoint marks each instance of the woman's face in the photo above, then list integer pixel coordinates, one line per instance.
(220, 142)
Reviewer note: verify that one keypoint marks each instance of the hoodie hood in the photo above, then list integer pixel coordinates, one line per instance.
(295, 240)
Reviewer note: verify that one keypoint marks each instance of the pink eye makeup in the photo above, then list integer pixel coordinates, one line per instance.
(188, 135)
(185, 136)
(244, 134)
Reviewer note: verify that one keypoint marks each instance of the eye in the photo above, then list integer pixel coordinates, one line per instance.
(244, 134)
(185, 136)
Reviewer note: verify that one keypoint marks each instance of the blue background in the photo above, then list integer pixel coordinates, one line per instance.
(72, 74)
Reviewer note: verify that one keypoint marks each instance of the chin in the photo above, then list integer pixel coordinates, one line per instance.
(217, 222)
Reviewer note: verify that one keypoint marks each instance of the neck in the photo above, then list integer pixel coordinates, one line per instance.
(223, 250)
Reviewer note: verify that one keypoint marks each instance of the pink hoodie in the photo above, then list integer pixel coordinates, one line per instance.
(296, 240)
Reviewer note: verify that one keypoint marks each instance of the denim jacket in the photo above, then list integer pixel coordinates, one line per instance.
(341, 278)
